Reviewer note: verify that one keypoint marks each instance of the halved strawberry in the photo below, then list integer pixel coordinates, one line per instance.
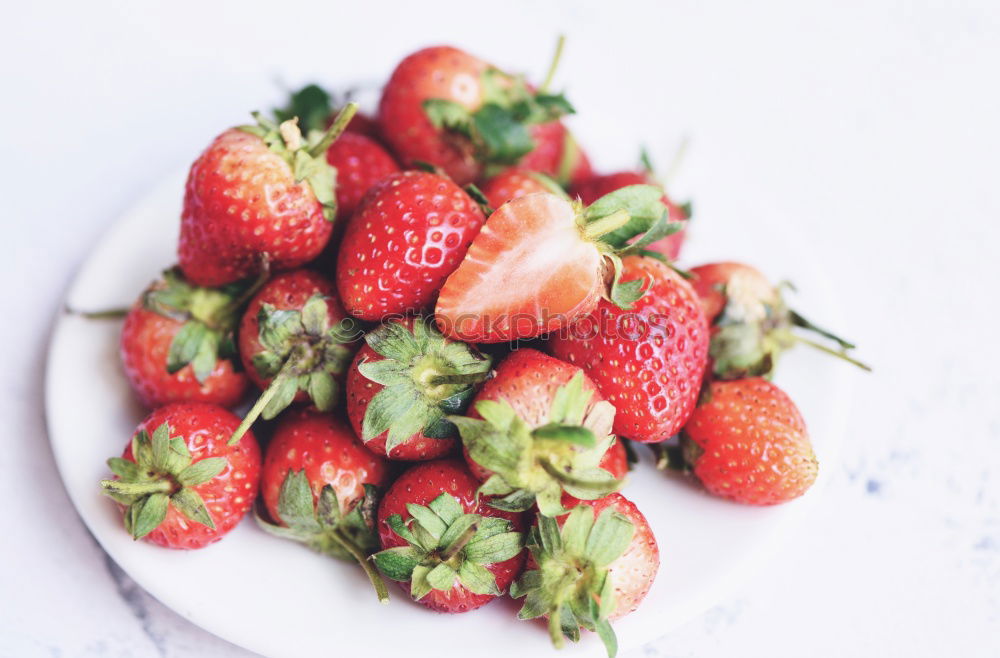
(541, 263)
(516, 182)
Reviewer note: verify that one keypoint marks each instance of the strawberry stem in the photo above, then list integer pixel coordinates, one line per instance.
(336, 128)
(381, 591)
(606, 224)
(258, 407)
(460, 542)
(553, 65)
(471, 378)
(837, 353)
(104, 314)
(138, 488)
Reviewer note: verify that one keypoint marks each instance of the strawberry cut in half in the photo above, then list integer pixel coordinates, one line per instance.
(541, 263)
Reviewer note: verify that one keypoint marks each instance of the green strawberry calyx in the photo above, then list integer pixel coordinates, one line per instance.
(306, 155)
(162, 475)
(752, 331)
(536, 465)
(425, 377)
(498, 130)
(301, 351)
(571, 584)
(448, 548)
(321, 525)
(208, 315)
(613, 221)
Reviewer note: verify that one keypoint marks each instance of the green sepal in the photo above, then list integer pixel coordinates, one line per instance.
(424, 377)
(536, 465)
(209, 317)
(447, 547)
(498, 130)
(571, 583)
(312, 105)
(163, 474)
(301, 351)
(644, 204)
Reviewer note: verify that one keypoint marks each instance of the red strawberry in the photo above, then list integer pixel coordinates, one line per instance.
(402, 384)
(360, 162)
(409, 233)
(746, 441)
(648, 361)
(295, 342)
(453, 110)
(557, 154)
(751, 324)
(591, 189)
(259, 196)
(456, 552)
(318, 484)
(181, 484)
(541, 263)
(177, 344)
(537, 429)
(516, 182)
(588, 568)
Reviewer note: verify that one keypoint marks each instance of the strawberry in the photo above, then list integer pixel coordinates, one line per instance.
(409, 233)
(456, 552)
(542, 262)
(590, 567)
(318, 483)
(516, 182)
(746, 441)
(649, 361)
(295, 344)
(557, 154)
(177, 343)
(404, 381)
(539, 428)
(593, 188)
(259, 196)
(360, 162)
(453, 110)
(751, 324)
(180, 483)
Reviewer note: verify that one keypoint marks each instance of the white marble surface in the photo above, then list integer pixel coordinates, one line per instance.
(871, 126)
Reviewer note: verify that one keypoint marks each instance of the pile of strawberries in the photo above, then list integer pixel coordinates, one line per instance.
(449, 376)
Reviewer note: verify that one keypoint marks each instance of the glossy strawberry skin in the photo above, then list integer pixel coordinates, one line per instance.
(145, 344)
(440, 72)
(592, 189)
(360, 162)
(648, 361)
(241, 202)
(527, 380)
(408, 235)
(753, 447)
(328, 451)
(206, 429)
(710, 280)
(287, 291)
(420, 485)
(634, 571)
(512, 183)
(360, 391)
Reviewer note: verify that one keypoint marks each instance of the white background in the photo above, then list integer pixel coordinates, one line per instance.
(872, 128)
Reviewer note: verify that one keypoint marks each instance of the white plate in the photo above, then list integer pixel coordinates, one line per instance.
(279, 599)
